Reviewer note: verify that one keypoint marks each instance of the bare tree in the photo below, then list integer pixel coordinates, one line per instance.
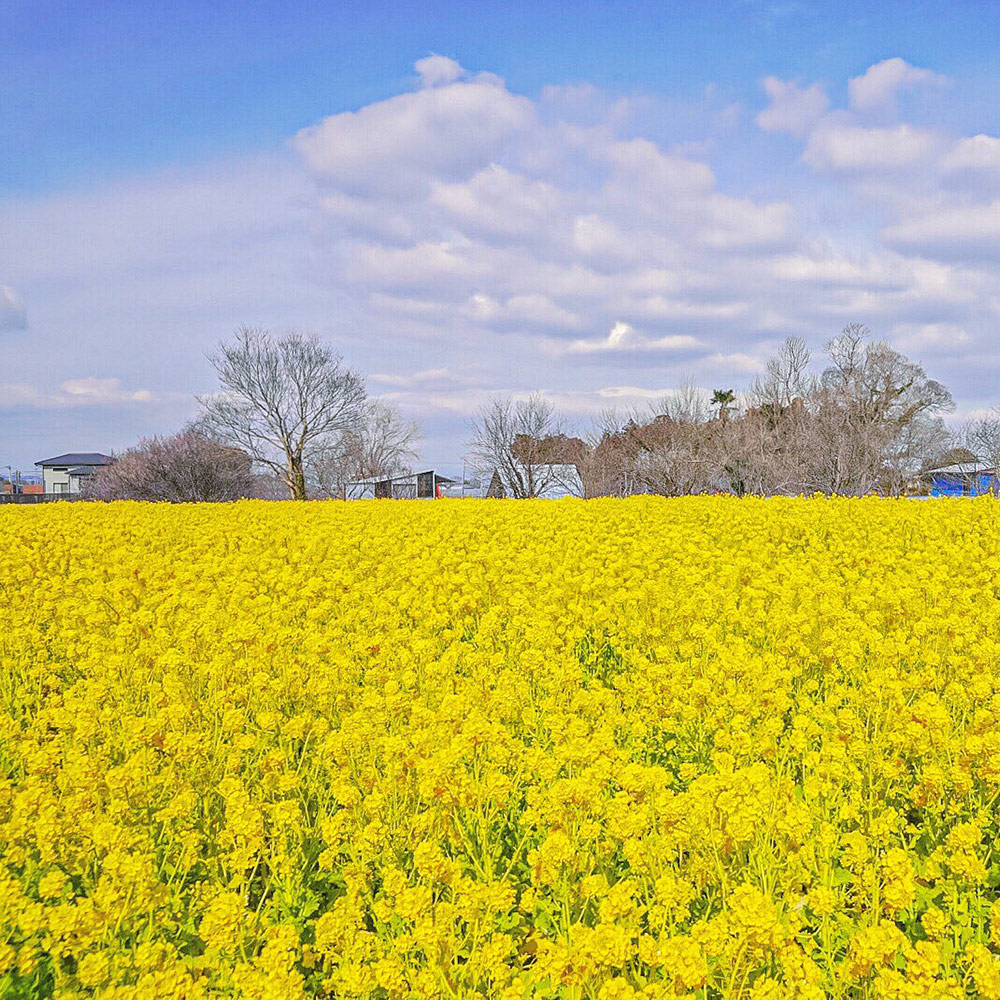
(982, 438)
(878, 382)
(680, 457)
(764, 450)
(875, 414)
(187, 467)
(608, 463)
(785, 376)
(867, 424)
(383, 444)
(516, 440)
(677, 450)
(687, 404)
(282, 399)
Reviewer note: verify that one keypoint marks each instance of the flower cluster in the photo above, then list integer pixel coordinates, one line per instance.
(604, 750)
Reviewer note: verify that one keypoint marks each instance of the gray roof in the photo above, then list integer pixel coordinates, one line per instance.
(400, 477)
(83, 470)
(77, 458)
(960, 469)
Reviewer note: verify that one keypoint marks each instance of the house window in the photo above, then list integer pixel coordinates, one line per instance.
(60, 487)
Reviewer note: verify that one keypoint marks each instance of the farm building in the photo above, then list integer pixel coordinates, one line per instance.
(411, 486)
(962, 479)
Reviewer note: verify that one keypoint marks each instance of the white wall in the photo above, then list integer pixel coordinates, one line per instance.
(57, 480)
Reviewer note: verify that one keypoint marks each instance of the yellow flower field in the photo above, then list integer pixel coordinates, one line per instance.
(611, 749)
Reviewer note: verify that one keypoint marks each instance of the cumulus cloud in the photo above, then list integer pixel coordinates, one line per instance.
(465, 201)
(935, 195)
(435, 70)
(862, 140)
(71, 393)
(12, 312)
(877, 89)
(496, 203)
(461, 238)
(822, 266)
(91, 390)
(972, 165)
(623, 337)
(843, 147)
(950, 232)
(977, 152)
(431, 376)
(793, 109)
(930, 338)
(397, 146)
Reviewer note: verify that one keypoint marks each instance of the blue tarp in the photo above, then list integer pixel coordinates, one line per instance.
(956, 485)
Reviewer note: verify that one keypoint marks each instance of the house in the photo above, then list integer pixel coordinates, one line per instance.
(549, 482)
(411, 486)
(962, 479)
(67, 473)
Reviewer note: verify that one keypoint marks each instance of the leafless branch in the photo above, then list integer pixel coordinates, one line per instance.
(281, 400)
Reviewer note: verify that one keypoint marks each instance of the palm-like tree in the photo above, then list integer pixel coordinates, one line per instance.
(723, 399)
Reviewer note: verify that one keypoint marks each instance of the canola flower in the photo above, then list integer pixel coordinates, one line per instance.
(602, 750)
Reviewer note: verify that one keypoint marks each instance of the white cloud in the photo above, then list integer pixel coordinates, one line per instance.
(736, 364)
(823, 266)
(498, 203)
(91, 390)
(926, 192)
(630, 394)
(623, 337)
(569, 219)
(650, 173)
(12, 312)
(930, 337)
(435, 70)
(540, 228)
(431, 376)
(840, 147)
(951, 231)
(972, 166)
(71, 393)
(793, 109)
(462, 238)
(876, 91)
(977, 152)
(538, 309)
(399, 145)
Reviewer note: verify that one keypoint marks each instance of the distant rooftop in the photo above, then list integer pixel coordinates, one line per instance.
(960, 469)
(77, 458)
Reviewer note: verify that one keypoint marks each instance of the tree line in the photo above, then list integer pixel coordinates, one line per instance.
(291, 420)
(862, 419)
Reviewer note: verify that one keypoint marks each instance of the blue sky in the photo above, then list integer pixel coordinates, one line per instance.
(98, 89)
(558, 174)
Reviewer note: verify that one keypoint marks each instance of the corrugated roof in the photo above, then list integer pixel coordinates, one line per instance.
(960, 469)
(90, 458)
